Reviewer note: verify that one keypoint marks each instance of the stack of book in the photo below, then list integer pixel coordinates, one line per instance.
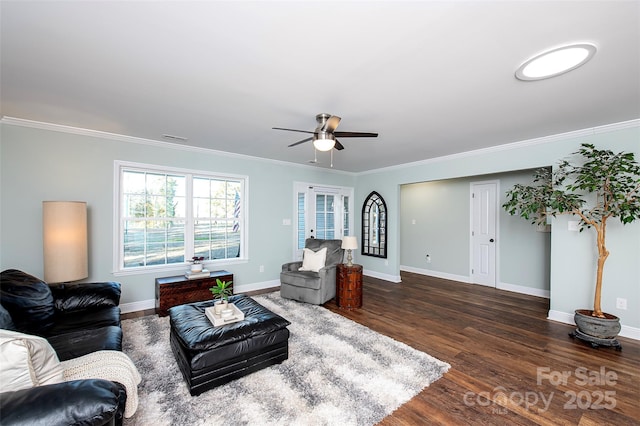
(193, 275)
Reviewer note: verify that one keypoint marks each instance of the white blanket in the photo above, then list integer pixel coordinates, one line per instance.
(109, 365)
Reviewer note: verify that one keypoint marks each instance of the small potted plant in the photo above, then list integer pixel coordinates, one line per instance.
(196, 263)
(221, 291)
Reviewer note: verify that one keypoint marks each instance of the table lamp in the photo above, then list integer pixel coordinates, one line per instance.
(349, 243)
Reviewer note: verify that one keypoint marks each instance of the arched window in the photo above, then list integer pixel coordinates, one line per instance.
(374, 226)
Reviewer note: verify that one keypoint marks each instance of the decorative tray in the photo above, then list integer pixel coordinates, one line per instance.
(217, 319)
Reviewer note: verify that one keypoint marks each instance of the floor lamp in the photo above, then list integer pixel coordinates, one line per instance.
(64, 231)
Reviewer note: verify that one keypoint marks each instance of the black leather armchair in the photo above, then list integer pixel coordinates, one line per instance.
(76, 319)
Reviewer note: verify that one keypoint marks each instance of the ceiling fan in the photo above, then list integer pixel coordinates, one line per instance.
(324, 135)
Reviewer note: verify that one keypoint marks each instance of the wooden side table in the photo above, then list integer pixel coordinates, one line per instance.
(179, 290)
(349, 286)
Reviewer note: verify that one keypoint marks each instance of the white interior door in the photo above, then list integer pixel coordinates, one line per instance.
(321, 212)
(483, 232)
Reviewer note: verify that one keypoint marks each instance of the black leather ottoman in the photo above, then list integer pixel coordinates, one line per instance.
(210, 356)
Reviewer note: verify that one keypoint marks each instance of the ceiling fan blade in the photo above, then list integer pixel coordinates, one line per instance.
(338, 146)
(331, 124)
(355, 135)
(299, 142)
(293, 130)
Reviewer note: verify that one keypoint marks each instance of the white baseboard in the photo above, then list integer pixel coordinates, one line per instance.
(567, 318)
(242, 288)
(386, 277)
(524, 290)
(437, 274)
(466, 279)
(138, 306)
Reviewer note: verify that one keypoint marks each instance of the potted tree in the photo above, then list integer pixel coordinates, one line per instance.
(221, 291)
(603, 185)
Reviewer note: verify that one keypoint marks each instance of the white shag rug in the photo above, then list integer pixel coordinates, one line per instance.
(338, 373)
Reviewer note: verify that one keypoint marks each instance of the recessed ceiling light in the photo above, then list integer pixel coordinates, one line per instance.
(555, 62)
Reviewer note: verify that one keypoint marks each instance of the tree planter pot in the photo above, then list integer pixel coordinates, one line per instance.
(602, 328)
(597, 331)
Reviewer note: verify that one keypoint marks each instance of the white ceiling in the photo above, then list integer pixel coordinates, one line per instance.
(432, 78)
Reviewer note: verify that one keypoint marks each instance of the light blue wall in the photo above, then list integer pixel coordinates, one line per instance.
(40, 165)
(525, 252)
(572, 258)
(441, 211)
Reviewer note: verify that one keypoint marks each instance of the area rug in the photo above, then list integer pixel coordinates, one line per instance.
(338, 373)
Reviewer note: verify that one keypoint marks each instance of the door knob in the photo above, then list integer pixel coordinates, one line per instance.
(491, 240)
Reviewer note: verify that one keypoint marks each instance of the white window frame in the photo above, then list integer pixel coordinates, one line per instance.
(118, 241)
(309, 189)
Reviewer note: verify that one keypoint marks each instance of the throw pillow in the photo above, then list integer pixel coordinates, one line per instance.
(313, 260)
(27, 361)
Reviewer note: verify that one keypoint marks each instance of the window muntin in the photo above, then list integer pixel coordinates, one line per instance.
(325, 223)
(167, 217)
(217, 208)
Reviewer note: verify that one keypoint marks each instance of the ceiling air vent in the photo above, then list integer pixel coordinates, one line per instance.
(174, 137)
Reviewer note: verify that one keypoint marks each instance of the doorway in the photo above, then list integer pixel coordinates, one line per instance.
(321, 212)
(484, 217)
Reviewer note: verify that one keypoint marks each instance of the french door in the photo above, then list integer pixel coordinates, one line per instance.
(321, 212)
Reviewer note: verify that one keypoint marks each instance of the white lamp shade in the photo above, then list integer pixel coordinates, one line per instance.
(349, 243)
(324, 141)
(64, 227)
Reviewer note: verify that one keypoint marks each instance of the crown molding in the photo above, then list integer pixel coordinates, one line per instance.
(514, 145)
(498, 148)
(152, 142)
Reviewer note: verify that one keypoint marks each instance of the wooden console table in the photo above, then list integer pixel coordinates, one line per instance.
(349, 286)
(179, 290)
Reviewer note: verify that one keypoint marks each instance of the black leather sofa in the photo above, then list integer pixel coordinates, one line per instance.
(76, 319)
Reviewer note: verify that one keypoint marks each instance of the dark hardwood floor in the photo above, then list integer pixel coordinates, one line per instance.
(509, 364)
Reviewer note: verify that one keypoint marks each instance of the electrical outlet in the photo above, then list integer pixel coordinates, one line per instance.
(261, 268)
(428, 257)
(621, 303)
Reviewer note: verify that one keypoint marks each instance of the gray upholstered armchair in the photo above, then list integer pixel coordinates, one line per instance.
(309, 286)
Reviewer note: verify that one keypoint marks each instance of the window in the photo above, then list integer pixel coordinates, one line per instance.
(165, 217)
(321, 212)
(300, 232)
(325, 223)
(346, 220)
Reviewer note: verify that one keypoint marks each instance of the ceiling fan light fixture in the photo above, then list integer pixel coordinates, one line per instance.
(324, 141)
(556, 62)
